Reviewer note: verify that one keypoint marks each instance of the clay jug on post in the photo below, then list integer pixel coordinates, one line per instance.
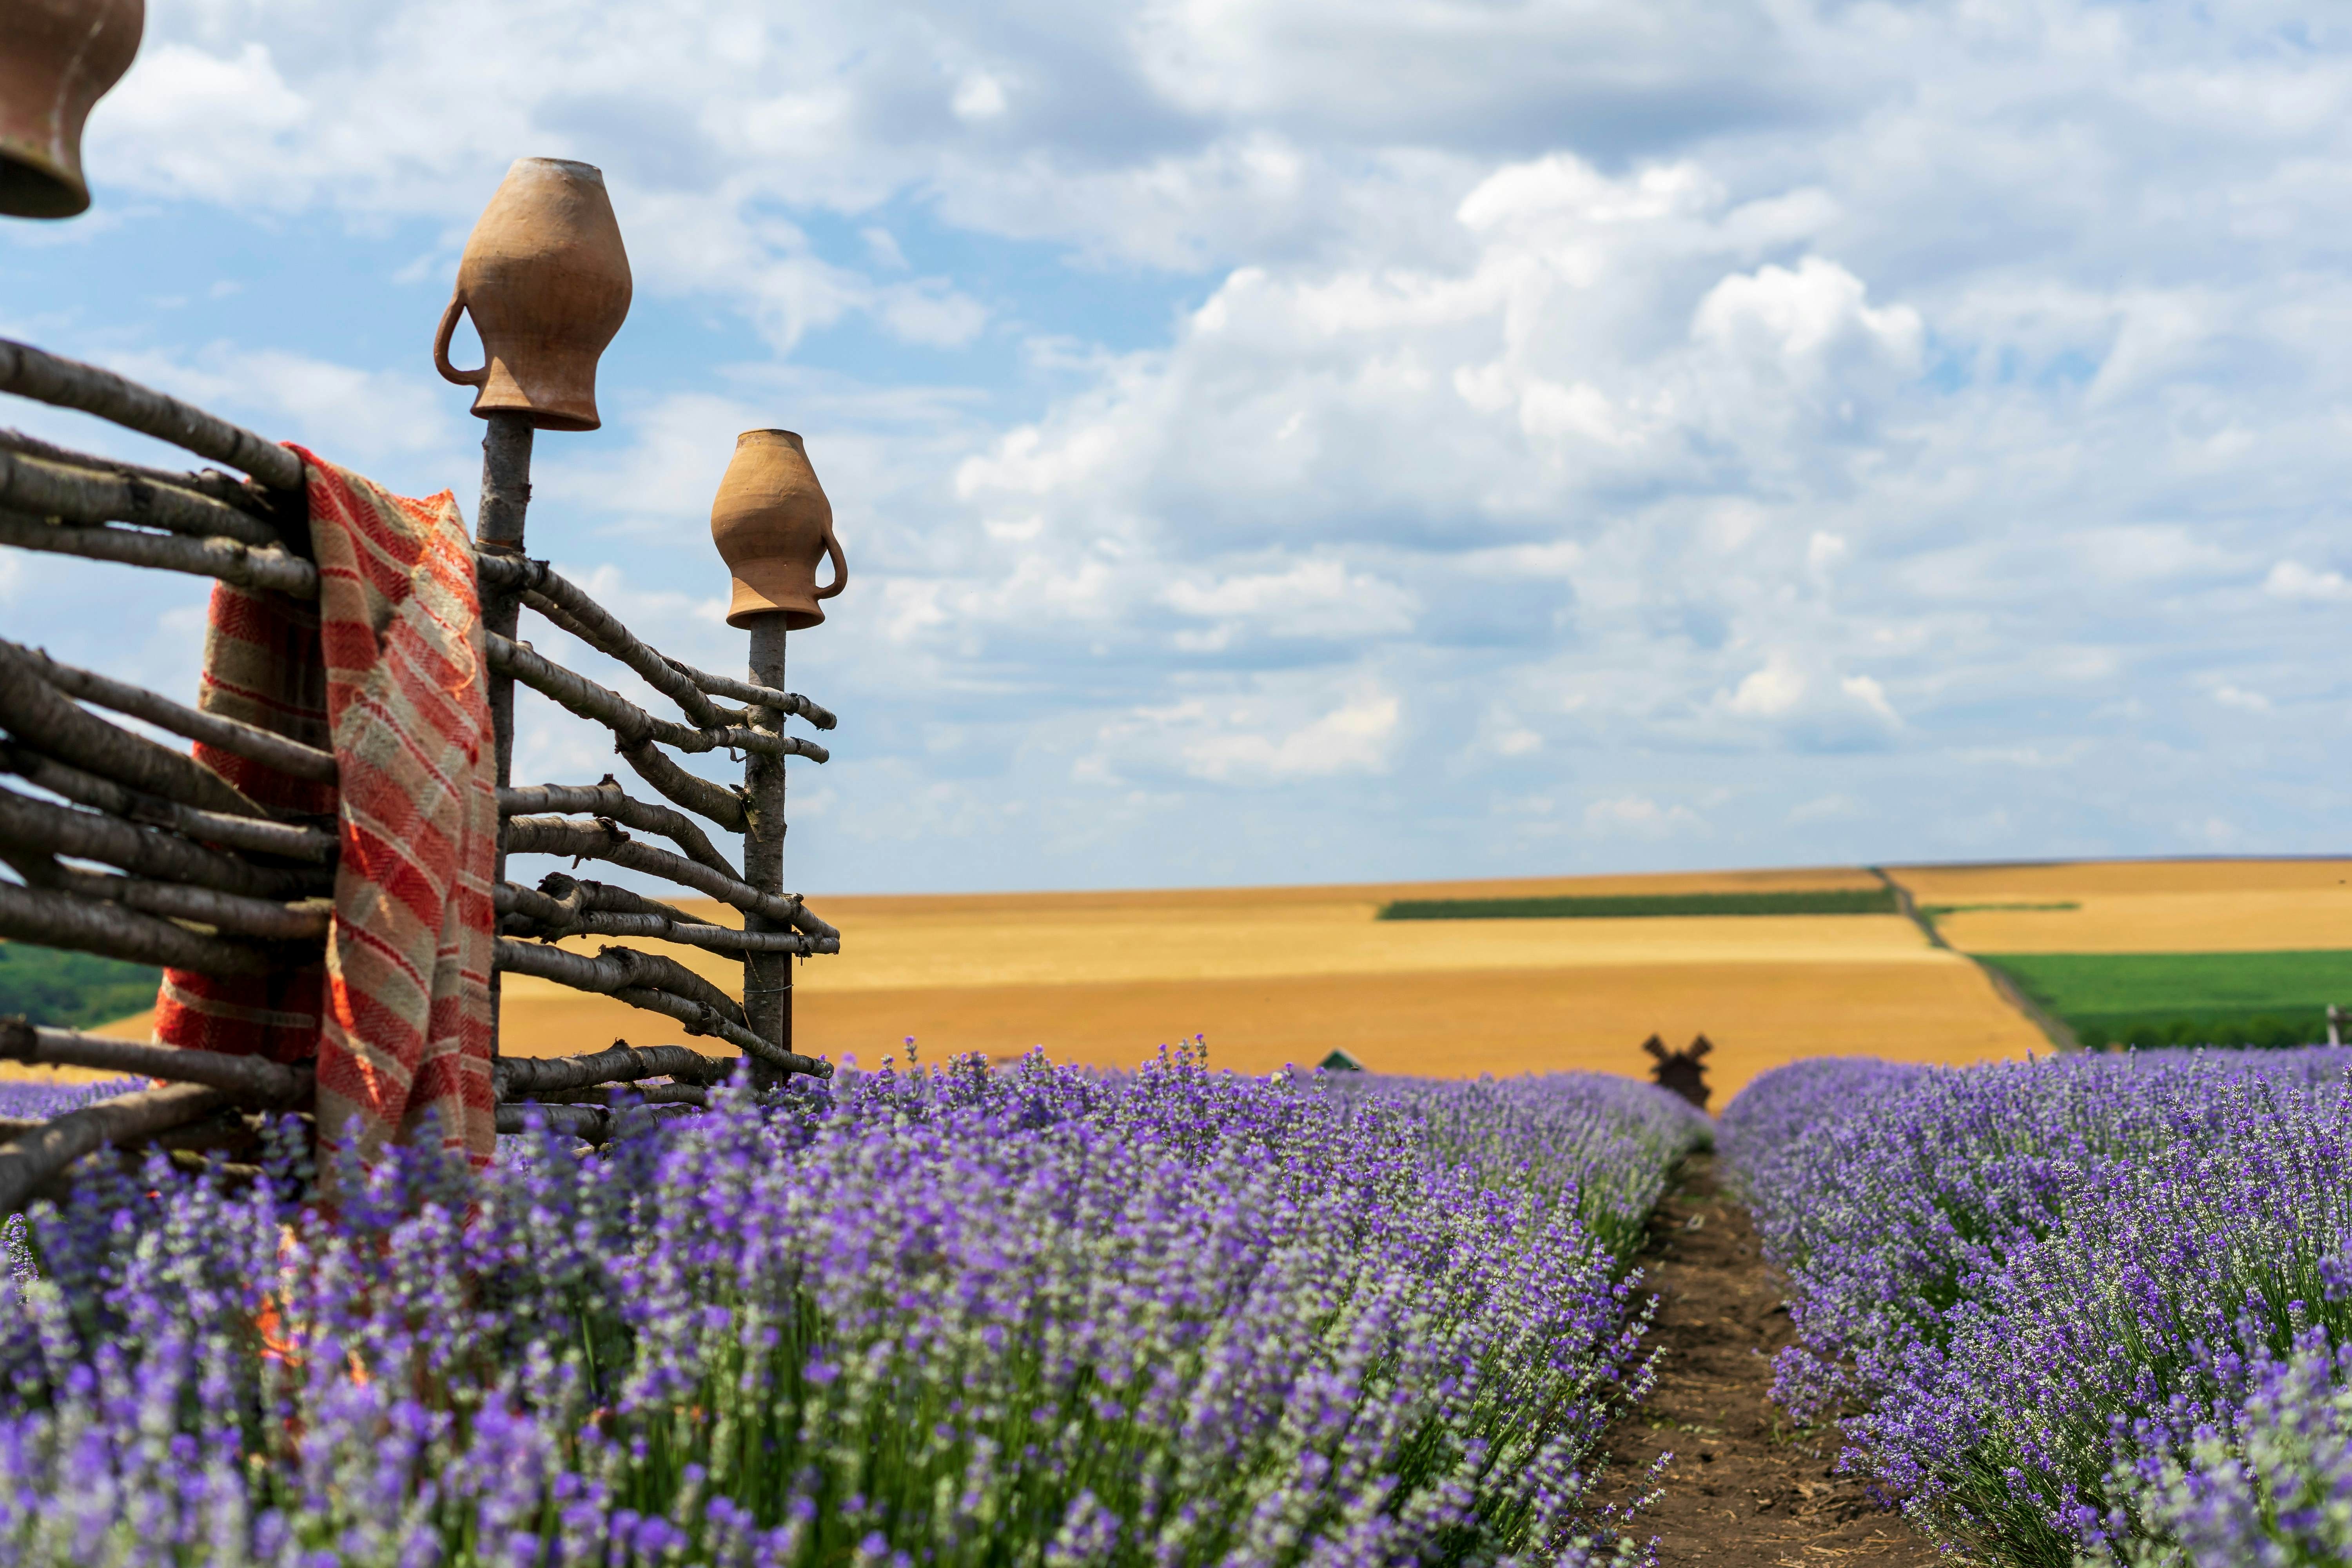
(773, 524)
(547, 283)
(57, 58)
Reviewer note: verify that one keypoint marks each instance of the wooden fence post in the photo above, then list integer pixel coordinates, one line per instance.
(497, 530)
(767, 977)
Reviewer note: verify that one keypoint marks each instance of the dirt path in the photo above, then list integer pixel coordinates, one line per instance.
(1741, 1493)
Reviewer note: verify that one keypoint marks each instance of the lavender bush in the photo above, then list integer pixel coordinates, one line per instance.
(40, 1099)
(1036, 1316)
(1779, 1106)
(1588, 1142)
(2090, 1307)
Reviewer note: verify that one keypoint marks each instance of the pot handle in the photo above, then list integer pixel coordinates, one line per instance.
(840, 568)
(441, 349)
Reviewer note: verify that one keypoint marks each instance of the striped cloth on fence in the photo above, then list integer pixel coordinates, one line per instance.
(388, 672)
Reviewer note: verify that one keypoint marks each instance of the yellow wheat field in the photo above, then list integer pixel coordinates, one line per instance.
(1281, 974)
(2164, 906)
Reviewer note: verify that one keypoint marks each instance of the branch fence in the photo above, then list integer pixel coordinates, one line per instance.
(133, 849)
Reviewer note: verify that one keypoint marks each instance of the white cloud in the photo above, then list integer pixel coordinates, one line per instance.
(1352, 738)
(2238, 697)
(1824, 808)
(1519, 742)
(1871, 695)
(1313, 598)
(1806, 325)
(1769, 692)
(1639, 817)
(205, 124)
(979, 95)
(2293, 580)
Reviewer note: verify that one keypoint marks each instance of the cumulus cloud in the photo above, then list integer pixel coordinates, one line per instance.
(1274, 735)
(1639, 817)
(2293, 580)
(2230, 696)
(1352, 738)
(1769, 692)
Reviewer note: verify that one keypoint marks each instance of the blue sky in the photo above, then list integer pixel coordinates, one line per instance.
(1281, 440)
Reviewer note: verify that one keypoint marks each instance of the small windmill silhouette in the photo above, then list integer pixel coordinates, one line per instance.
(1680, 1070)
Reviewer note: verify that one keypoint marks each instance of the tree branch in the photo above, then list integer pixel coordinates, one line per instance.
(283, 840)
(47, 918)
(38, 714)
(228, 489)
(517, 1077)
(586, 973)
(226, 913)
(30, 372)
(619, 969)
(86, 835)
(593, 840)
(631, 724)
(624, 1096)
(32, 1158)
(223, 558)
(250, 1080)
(589, 1123)
(536, 913)
(607, 799)
(231, 735)
(758, 696)
(721, 804)
(569, 607)
(50, 490)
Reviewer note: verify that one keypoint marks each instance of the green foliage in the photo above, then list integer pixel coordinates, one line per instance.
(1933, 910)
(2150, 999)
(72, 990)
(2261, 1031)
(1634, 906)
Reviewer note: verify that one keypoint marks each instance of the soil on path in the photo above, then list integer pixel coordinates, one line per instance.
(1743, 1492)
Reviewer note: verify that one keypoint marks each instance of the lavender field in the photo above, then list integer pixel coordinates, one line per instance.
(1029, 1316)
(2091, 1310)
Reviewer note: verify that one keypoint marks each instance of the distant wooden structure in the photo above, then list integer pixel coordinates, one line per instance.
(1680, 1070)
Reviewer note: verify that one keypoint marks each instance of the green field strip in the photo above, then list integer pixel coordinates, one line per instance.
(1975, 908)
(1637, 906)
(2274, 1028)
(2140, 984)
(72, 990)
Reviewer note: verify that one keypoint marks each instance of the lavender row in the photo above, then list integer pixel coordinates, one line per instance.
(40, 1099)
(1035, 1316)
(2093, 1309)
(1597, 1145)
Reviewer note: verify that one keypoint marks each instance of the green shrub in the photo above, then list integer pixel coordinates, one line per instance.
(72, 990)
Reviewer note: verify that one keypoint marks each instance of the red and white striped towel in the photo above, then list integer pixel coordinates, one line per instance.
(389, 672)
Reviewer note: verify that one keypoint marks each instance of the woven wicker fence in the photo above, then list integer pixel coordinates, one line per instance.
(132, 849)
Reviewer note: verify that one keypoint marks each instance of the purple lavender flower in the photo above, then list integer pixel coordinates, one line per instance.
(1170, 1317)
(2090, 1306)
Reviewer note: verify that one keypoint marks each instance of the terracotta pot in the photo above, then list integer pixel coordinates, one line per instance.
(773, 525)
(57, 58)
(548, 284)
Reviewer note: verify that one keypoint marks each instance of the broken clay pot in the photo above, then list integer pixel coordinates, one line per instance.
(57, 58)
(773, 525)
(547, 282)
